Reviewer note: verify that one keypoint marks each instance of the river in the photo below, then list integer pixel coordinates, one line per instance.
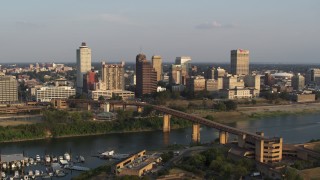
(293, 129)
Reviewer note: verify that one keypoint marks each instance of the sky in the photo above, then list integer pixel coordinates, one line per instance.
(274, 31)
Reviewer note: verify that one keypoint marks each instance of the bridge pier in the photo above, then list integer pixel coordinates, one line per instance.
(166, 123)
(241, 140)
(196, 133)
(259, 150)
(223, 137)
(139, 109)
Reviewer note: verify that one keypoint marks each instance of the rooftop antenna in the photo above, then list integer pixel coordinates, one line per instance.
(140, 49)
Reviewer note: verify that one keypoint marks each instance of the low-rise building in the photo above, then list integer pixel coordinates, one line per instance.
(108, 94)
(137, 164)
(197, 83)
(46, 94)
(305, 97)
(236, 93)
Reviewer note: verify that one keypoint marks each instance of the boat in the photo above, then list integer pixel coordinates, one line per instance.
(18, 164)
(30, 173)
(31, 160)
(81, 159)
(47, 159)
(26, 177)
(60, 158)
(60, 173)
(38, 159)
(16, 174)
(37, 173)
(13, 165)
(3, 175)
(54, 159)
(67, 156)
(4, 165)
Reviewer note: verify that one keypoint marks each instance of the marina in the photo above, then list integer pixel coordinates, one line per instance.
(18, 166)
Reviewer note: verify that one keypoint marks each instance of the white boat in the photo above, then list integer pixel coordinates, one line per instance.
(47, 159)
(18, 164)
(16, 174)
(13, 165)
(60, 158)
(108, 153)
(31, 160)
(38, 159)
(37, 173)
(67, 156)
(25, 177)
(3, 175)
(4, 165)
(30, 173)
(81, 159)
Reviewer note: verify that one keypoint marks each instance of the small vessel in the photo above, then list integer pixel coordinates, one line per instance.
(38, 159)
(47, 159)
(30, 173)
(54, 159)
(31, 160)
(60, 173)
(81, 159)
(16, 174)
(37, 173)
(3, 175)
(4, 165)
(25, 177)
(13, 165)
(67, 156)
(18, 164)
(60, 158)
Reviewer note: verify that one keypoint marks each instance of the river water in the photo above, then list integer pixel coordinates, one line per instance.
(293, 129)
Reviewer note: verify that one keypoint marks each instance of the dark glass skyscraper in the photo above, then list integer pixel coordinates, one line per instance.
(146, 76)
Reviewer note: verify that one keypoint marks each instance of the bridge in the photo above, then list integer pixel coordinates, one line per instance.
(263, 148)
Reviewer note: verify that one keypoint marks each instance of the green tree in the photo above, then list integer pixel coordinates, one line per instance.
(231, 105)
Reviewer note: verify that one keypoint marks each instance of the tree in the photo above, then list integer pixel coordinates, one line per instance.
(231, 105)
(220, 106)
(101, 98)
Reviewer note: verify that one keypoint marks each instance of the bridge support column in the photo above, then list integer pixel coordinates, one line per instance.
(241, 140)
(89, 107)
(124, 107)
(223, 137)
(166, 122)
(139, 109)
(196, 133)
(259, 150)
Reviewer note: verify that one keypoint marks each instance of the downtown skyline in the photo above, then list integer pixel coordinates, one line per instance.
(276, 32)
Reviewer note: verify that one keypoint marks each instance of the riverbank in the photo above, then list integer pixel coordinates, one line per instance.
(244, 113)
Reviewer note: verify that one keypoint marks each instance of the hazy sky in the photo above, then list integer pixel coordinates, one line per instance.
(282, 31)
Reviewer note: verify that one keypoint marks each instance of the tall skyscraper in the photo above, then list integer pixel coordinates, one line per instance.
(113, 76)
(83, 64)
(146, 76)
(313, 76)
(157, 65)
(298, 82)
(239, 62)
(8, 89)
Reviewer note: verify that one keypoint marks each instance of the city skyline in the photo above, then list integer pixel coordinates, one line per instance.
(118, 31)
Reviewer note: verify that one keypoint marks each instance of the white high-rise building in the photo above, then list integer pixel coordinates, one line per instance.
(83, 64)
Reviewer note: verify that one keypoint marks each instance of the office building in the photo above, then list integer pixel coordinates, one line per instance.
(231, 82)
(197, 83)
(113, 76)
(185, 62)
(46, 94)
(89, 81)
(8, 89)
(298, 82)
(252, 81)
(83, 64)
(209, 74)
(146, 76)
(313, 76)
(239, 62)
(214, 84)
(157, 65)
(219, 73)
(179, 74)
